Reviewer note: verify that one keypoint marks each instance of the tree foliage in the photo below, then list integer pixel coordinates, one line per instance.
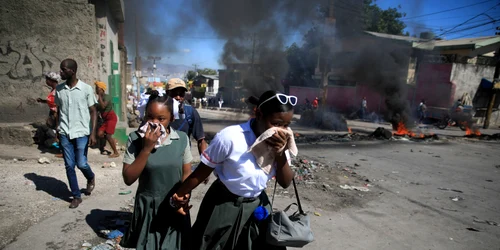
(384, 21)
(207, 71)
(302, 60)
(190, 75)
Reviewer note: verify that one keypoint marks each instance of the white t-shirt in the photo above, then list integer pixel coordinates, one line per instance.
(234, 166)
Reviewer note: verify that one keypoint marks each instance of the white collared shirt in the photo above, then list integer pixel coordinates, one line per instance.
(233, 164)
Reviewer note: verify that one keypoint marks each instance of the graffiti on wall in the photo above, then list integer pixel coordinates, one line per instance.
(101, 24)
(26, 61)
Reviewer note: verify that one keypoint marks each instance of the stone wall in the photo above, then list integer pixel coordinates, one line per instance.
(36, 35)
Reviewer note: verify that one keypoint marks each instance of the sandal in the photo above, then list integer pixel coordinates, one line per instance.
(114, 155)
(105, 152)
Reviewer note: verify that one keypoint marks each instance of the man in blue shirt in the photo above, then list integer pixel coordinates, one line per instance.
(189, 120)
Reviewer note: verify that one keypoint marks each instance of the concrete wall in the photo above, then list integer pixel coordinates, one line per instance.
(468, 76)
(36, 35)
(434, 85)
(106, 31)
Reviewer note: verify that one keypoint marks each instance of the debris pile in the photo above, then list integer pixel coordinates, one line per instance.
(111, 228)
(323, 120)
(486, 137)
(305, 169)
(333, 137)
(379, 134)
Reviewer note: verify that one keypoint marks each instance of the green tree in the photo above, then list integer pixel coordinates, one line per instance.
(190, 75)
(207, 71)
(384, 21)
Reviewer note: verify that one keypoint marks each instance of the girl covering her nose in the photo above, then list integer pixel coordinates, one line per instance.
(160, 158)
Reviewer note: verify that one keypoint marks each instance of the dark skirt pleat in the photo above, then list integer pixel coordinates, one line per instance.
(226, 221)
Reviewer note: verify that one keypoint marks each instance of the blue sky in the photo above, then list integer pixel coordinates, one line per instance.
(191, 40)
(443, 22)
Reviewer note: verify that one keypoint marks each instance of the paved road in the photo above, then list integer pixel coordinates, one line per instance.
(412, 212)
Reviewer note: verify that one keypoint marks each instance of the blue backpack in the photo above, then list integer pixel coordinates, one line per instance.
(188, 112)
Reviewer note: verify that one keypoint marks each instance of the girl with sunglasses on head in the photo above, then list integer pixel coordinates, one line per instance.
(228, 218)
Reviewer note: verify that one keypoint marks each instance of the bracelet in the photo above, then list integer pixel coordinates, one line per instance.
(172, 203)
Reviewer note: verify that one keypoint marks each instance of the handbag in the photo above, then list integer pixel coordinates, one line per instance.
(289, 230)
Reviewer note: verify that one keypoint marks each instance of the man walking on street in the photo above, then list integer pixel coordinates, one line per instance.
(75, 102)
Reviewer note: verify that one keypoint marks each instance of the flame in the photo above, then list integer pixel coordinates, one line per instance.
(349, 130)
(402, 130)
(472, 131)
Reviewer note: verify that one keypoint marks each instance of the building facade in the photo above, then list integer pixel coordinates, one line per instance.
(38, 34)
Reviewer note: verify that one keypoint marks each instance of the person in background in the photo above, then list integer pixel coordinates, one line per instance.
(364, 108)
(77, 119)
(315, 103)
(191, 123)
(221, 101)
(141, 106)
(160, 158)
(225, 218)
(307, 104)
(50, 138)
(109, 120)
(422, 108)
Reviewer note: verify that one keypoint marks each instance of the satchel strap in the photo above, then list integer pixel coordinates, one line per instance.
(296, 195)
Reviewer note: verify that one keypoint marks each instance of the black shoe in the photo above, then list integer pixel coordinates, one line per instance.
(75, 202)
(90, 186)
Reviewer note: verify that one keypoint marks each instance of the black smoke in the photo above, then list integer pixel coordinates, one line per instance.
(383, 65)
(256, 34)
(146, 21)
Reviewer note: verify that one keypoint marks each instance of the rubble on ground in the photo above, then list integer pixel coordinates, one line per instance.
(111, 228)
(379, 134)
(333, 185)
(486, 137)
(323, 120)
(44, 160)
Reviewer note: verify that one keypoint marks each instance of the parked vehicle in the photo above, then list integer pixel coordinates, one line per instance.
(458, 117)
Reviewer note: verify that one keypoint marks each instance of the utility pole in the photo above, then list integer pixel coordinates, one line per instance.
(154, 58)
(327, 39)
(196, 68)
(253, 51)
(494, 90)
(138, 62)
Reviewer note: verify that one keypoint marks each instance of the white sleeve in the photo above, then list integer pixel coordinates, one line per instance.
(217, 152)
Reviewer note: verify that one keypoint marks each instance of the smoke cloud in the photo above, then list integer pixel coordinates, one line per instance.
(256, 33)
(382, 68)
(156, 25)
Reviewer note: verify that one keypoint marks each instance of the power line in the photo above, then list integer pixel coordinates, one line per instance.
(442, 18)
(469, 20)
(473, 27)
(441, 28)
(470, 34)
(448, 10)
(457, 31)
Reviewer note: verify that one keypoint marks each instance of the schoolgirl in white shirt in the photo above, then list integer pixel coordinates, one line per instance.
(227, 218)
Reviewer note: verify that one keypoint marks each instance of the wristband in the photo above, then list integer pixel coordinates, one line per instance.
(172, 203)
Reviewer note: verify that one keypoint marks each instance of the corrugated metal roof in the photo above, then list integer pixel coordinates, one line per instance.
(213, 77)
(473, 43)
(395, 37)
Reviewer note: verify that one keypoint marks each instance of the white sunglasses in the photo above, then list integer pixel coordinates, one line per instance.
(284, 99)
